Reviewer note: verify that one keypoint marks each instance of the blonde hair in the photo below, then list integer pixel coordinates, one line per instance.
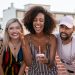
(6, 38)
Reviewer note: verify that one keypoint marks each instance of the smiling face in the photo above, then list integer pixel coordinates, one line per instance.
(13, 30)
(65, 32)
(38, 23)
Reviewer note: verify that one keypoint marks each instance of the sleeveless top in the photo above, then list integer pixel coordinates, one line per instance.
(67, 53)
(37, 68)
(10, 65)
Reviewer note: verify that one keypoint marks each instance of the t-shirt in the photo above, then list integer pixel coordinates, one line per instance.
(67, 53)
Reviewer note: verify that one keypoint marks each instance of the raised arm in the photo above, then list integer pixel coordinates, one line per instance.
(26, 49)
(53, 48)
(22, 69)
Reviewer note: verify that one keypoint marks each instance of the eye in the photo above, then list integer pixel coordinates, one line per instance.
(35, 20)
(11, 28)
(41, 20)
(18, 27)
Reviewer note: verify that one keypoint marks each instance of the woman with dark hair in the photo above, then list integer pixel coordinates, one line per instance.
(39, 47)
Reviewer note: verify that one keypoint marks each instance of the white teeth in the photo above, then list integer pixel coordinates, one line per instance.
(38, 26)
(64, 35)
(15, 34)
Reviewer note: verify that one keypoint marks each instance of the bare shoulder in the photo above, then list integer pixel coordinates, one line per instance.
(27, 36)
(52, 37)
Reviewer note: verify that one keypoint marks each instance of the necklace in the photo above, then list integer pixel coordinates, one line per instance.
(15, 48)
(64, 59)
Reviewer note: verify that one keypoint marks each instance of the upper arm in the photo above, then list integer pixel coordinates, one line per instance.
(26, 51)
(53, 47)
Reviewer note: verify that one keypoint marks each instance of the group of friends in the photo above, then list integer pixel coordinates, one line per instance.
(37, 50)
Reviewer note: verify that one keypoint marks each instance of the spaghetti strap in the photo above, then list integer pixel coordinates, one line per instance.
(40, 69)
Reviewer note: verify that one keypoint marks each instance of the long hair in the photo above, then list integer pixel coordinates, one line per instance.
(6, 38)
(49, 24)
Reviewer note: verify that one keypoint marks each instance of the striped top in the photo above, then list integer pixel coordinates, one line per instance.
(37, 68)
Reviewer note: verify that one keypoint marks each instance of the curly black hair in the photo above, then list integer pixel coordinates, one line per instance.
(49, 24)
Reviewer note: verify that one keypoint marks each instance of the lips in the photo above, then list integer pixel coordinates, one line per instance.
(15, 34)
(37, 27)
(63, 35)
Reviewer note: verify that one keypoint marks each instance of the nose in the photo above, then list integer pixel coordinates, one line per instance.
(63, 30)
(38, 21)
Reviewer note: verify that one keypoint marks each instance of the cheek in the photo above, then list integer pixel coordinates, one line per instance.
(21, 31)
(9, 32)
(60, 30)
(70, 31)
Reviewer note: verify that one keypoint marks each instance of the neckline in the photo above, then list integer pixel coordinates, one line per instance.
(44, 51)
(16, 59)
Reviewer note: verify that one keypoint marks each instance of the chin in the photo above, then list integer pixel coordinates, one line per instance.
(64, 38)
(38, 32)
(15, 38)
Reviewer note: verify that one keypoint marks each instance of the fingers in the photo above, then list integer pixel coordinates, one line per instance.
(21, 35)
(39, 49)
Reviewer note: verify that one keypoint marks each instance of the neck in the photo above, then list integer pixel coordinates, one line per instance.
(15, 44)
(39, 35)
(67, 41)
(14, 41)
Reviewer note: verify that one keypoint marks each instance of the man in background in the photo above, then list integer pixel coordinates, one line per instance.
(66, 44)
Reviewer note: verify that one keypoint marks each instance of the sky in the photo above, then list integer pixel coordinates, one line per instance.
(55, 5)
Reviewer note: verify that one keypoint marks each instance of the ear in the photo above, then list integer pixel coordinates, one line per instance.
(73, 28)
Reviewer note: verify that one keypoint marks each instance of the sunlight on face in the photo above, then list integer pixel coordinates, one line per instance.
(13, 30)
(38, 23)
(65, 32)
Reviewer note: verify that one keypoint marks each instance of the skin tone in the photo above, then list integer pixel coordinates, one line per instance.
(14, 38)
(13, 31)
(65, 34)
(38, 25)
(1, 70)
(40, 39)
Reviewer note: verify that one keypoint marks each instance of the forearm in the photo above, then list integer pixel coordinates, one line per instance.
(26, 51)
(27, 54)
(1, 70)
(22, 69)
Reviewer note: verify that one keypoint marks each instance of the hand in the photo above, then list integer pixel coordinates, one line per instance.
(21, 35)
(42, 59)
(22, 38)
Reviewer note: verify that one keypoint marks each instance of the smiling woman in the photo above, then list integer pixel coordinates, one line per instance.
(39, 46)
(12, 50)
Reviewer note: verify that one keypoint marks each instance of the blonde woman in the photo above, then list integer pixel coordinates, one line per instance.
(12, 55)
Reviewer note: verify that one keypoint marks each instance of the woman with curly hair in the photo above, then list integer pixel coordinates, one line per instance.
(39, 46)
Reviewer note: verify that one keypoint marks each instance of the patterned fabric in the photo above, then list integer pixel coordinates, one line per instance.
(10, 65)
(40, 69)
(1, 45)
